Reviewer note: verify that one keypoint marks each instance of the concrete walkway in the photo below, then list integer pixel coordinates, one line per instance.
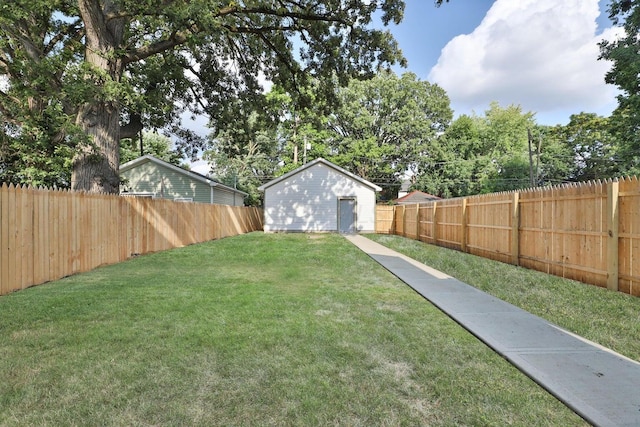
(601, 386)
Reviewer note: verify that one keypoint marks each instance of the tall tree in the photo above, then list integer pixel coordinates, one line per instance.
(301, 130)
(245, 156)
(555, 163)
(594, 149)
(625, 73)
(506, 143)
(480, 154)
(154, 144)
(384, 126)
(104, 69)
(457, 166)
(271, 135)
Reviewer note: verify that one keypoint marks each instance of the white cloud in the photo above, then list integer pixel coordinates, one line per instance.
(540, 54)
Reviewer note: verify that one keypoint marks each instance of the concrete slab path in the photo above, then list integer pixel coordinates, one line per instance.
(601, 386)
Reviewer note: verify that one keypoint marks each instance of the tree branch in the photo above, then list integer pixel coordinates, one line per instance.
(6, 113)
(305, 16)
(29, 47)
(132, 128)
(176, 39)
(75, 32)
(179, 37)
(284, 60)
(258, 30)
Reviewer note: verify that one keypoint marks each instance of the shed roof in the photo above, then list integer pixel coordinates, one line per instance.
(416, 197)
(327, 163)
(190, 174)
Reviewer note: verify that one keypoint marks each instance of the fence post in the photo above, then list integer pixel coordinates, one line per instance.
(404, 221)
(5, 286)
(418, 221)
(515, 229)
(612, 239)
(434, 224)
(392, 229)
(464, 219)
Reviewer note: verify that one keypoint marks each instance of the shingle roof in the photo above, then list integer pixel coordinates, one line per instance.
(326, 163)
(415, 197)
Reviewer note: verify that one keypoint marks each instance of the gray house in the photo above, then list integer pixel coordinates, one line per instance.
(319, 197)
(148, 176)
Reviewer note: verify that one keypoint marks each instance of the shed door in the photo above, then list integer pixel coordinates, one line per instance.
(347, 215)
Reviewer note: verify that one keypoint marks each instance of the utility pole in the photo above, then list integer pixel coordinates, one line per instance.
(295, 138)
(306, 147)
(538, 159)
(531, 181)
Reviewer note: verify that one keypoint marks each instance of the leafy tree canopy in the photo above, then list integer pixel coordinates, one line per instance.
(76, 76)
(480, 154)
(378, 129)
(625, 73)
(591, 148)
(245, 156)
(153, 143)
(386, 126)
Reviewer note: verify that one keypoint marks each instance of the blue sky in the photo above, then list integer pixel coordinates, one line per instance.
(539, 54)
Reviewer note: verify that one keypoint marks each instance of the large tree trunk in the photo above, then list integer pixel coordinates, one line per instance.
(95, 169)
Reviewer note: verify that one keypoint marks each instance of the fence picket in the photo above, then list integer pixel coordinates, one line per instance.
(4, 240)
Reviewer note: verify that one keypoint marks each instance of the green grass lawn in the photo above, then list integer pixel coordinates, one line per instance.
(252, 330)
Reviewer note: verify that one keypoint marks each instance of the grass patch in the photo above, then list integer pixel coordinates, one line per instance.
(251, 330)
(609, 318)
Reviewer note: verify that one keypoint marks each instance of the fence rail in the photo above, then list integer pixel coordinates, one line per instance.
(49, 234)
(588, 232)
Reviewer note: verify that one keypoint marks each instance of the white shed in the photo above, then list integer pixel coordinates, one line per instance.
(317, 197)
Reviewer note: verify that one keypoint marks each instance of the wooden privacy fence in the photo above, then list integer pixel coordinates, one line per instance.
(588, 232)
(49, 234)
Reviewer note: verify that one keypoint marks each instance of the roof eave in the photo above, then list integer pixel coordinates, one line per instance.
(327, 163)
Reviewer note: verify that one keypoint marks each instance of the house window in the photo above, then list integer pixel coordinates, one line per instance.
(141, 195)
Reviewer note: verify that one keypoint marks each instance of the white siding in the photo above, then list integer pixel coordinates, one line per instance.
(308, 201)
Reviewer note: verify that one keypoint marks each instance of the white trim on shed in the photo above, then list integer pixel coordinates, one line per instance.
(307, 199)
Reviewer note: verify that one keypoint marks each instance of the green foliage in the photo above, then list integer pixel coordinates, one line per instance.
(387, 125)
(454, 167)
(38, 136)
(52, 141)
(556, 162)
(113, 67)
(480, 154)
(301, 131)
(378, 130)
(592, 147)
(625, 73)
(491, 153)
(242, 157)
(153, 143)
